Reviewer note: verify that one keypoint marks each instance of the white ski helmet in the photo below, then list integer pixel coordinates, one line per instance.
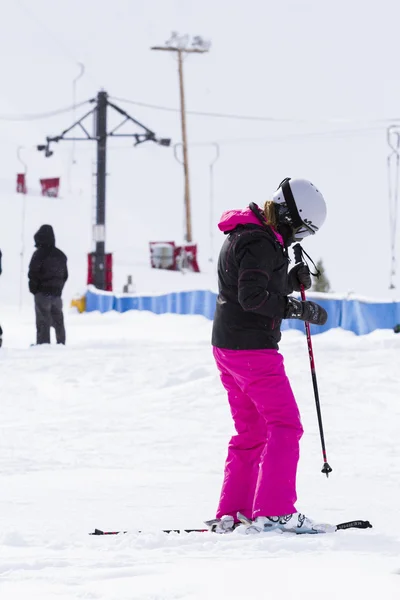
(301, 206)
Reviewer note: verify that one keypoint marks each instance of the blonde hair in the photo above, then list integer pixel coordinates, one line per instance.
(269, 213)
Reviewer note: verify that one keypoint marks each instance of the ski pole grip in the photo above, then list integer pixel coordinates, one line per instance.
(298, 251)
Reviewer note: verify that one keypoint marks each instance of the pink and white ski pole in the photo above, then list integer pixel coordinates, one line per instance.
(298, 256)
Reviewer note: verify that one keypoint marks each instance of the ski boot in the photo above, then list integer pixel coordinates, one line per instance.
(226, 524)
(294, 523)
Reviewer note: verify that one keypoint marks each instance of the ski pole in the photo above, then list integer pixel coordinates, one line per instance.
(298, 251)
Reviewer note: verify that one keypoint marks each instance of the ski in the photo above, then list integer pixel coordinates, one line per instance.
(101, 532)
(357, 524)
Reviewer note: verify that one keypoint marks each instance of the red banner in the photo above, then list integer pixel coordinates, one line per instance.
(21, 183)
(109, 270)
(50, 187)
(166, 255)
(186, 258)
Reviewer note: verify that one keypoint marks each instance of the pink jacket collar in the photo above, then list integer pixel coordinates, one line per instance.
(243, 216)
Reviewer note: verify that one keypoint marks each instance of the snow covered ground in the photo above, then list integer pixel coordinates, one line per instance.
(126, 428)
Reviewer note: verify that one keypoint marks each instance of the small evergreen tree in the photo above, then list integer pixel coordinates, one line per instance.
(321, 283)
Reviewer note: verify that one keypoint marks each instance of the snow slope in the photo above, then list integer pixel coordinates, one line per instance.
(127, 427)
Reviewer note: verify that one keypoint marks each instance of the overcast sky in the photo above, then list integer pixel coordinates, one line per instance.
(326, 73)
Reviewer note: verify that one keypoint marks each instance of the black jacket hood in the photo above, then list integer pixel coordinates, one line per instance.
(44, 237)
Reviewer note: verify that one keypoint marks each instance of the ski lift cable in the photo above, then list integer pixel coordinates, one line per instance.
(38, 116)
(209, 114)
(277, 138)
(333, 121)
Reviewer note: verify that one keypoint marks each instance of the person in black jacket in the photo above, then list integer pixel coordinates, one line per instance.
(47, 276)
(254, 296)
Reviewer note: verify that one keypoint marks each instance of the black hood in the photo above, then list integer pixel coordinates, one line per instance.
(45, 236)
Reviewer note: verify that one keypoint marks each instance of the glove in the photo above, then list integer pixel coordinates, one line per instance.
(299, 275)
(305, 311)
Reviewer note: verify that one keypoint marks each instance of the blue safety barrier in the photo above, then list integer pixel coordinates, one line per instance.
(359, 316)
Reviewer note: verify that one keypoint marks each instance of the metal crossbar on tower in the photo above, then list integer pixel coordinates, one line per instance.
(100, 135)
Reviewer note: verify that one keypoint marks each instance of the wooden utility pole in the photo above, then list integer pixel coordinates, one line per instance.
(188, 212)
(179, 45)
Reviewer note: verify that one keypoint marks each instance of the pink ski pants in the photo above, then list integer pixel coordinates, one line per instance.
(260, 469)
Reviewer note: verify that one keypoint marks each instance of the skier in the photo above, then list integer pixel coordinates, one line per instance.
(254, 286)
(47, 276)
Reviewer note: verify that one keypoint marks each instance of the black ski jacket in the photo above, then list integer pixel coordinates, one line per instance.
(252, 284)
(48, 267)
